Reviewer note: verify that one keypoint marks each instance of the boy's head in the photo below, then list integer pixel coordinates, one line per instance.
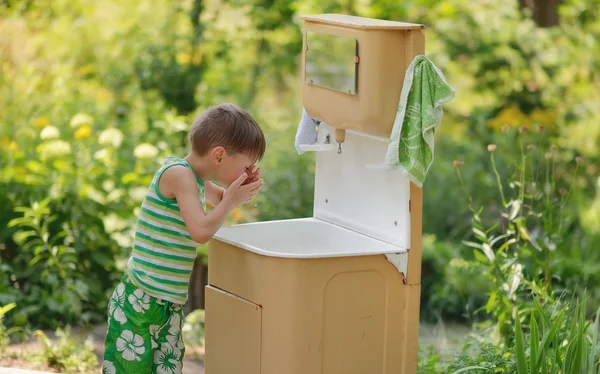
(231, 140)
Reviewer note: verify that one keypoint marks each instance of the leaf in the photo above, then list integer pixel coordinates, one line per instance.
(19, 221)
(480, 257)
(533, 345)
(594, 341)
(510, 262)
(20, 237)
(487, 250)
(6, 308)
(473, 245)
(515, 209)
(516, 277)
(498, 238)
(470, 368)
(507, 244)
(479, 234)
(492, 302)
(36, 259)
(519, 347)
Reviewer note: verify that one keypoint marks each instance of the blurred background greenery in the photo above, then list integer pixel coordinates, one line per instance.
(94, 94)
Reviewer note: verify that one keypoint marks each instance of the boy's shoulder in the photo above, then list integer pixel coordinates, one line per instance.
(176, 178)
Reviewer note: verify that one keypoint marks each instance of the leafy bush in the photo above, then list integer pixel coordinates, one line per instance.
(193, 329)
(487, 358)
(67, 354)
(4, 331)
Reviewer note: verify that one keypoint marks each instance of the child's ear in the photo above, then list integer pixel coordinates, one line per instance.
(218, 153)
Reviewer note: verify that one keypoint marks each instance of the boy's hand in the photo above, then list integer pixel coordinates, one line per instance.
(253, 175)
(239, 193)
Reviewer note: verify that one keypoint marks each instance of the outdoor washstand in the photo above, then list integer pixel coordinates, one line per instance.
(337, 293)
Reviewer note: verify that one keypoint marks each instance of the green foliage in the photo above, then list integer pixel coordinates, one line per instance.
(5, 332)
(51, 264)
(516, 239)
(194, 327)
(429, 362)
(487, 358)
(452, 288)
(95, 94)
(83, 129)
(560, 341)
(67, 354)
(484, 358)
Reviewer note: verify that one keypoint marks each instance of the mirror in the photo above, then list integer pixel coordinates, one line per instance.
(331, 61)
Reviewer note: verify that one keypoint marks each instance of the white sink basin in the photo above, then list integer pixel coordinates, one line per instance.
(303, 238)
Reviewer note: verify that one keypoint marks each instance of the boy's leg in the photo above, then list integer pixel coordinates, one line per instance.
(128, 346)
(168, 356)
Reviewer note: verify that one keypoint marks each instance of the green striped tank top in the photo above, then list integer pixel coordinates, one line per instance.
(163, 251)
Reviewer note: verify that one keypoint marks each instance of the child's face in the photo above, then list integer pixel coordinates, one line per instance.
(233, 166)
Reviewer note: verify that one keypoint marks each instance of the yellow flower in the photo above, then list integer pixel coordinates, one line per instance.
(103, 95)
(83, 132)
(41, 122)
(545, 119)
(510, 116)
(13, 145)
(182, 58)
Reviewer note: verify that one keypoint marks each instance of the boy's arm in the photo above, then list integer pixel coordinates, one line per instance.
(180, 183)
(214, 193)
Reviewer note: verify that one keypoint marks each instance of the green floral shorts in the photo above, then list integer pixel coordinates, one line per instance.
(144, 333)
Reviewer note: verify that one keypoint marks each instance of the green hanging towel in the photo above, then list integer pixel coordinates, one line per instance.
(419, 114)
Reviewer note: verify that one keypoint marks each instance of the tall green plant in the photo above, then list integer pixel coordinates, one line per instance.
(560, 341)
(514, 239)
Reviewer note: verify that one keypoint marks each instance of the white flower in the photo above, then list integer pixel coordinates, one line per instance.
(116, 303)
(175, 337)
(108, 368)
(101, 155)
(176, 340)
(81, 119)
(175, 322)
(111, 136)
(145, 150)
(131, 345)
(53, 148)
(167, 359)
(138, 193)
(139, 301)
(154, 329)
(49, 132)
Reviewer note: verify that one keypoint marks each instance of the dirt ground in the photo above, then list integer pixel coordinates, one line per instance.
(16, 355)
(447, 340)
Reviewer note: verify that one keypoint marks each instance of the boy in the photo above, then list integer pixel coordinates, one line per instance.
(145, 312)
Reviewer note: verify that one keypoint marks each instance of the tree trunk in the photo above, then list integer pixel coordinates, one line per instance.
(198, 280)
(543, 12)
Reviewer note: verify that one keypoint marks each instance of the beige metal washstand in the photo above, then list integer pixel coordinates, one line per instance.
(337, 293)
